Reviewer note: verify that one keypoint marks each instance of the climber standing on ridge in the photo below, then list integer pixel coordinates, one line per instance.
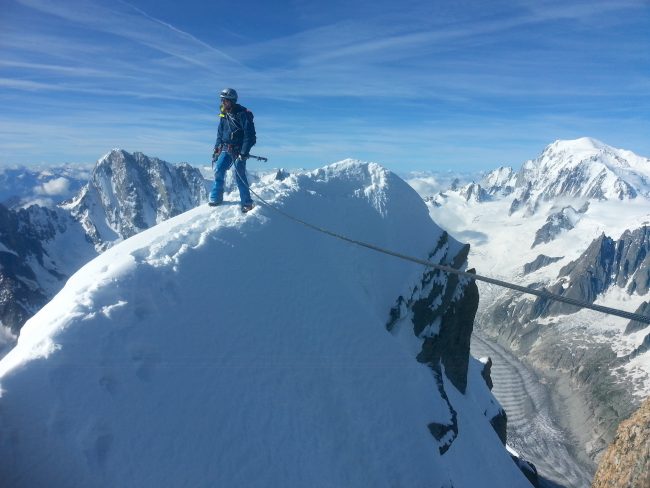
(235, 137)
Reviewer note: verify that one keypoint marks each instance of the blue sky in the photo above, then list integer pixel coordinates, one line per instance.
(415, 85)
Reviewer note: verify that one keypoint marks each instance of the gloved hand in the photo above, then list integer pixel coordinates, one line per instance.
(243, 157)
(215, 154)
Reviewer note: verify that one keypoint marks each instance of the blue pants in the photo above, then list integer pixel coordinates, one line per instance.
(224, 162)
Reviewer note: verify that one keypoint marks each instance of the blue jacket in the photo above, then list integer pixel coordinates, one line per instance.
(236, 128)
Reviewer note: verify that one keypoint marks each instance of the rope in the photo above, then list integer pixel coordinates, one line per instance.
(449, 269)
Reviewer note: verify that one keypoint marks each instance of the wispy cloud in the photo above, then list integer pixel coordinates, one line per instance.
(134, 24)
(323, 84)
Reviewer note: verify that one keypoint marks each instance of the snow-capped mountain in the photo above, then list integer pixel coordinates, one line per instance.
(573, 221)
(128, 193)
(475, 192)
(579, 169)
(222, 349)
(501, 181)
(40, 247)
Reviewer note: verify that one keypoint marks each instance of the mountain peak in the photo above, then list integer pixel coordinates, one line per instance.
(584, 167)
(263, 345)
(580, 144)
(114, 153)
(132, 192)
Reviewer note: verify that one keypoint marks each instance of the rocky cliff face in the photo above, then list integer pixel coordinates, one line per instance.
(474, 192)
(539, 262)
(500, 182)
(19, 295)
(38, 251)
(626, 463)
(624, 263)
(129, 193)
(560, 202)
(556, 223)
(441, 313)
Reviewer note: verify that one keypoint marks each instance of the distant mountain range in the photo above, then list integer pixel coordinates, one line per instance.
(582, 169)
(41, 246)
(574, 221)
(22, 186)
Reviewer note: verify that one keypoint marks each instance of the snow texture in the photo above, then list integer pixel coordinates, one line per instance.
(221, 349)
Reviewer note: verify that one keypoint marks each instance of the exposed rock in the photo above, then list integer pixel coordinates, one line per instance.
(500, 181)
(475, 193)
(129, 193)
(29, 273)
(528, 468)
(586, 366)
(556, 223)
(624, 263)
(635, 325)
(641, 349)
(539, 262)
(499, 421)
(626, 463)
(523, 195)
(486, 372)
(441, 311)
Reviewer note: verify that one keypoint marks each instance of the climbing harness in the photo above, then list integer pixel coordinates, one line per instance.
(449, 269)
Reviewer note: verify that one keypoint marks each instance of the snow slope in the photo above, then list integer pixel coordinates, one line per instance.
(221, 349)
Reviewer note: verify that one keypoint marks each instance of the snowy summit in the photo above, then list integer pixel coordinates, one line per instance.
(221, 349)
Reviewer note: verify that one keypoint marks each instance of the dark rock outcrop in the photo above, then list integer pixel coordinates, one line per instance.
(24, 261)
(520, 200)
(635, 325)
(640, 349)
(475, 193)
(486, 373)
(499, 421)
(441, 311)
(624, 263)
(539, 262)
(528, 468)
(556, 223)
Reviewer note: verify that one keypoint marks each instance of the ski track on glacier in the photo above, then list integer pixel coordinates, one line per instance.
(532, 431)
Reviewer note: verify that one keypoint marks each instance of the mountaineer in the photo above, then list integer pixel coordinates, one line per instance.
(235, 137)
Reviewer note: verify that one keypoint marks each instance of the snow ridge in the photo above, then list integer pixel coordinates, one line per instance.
(258, 346)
